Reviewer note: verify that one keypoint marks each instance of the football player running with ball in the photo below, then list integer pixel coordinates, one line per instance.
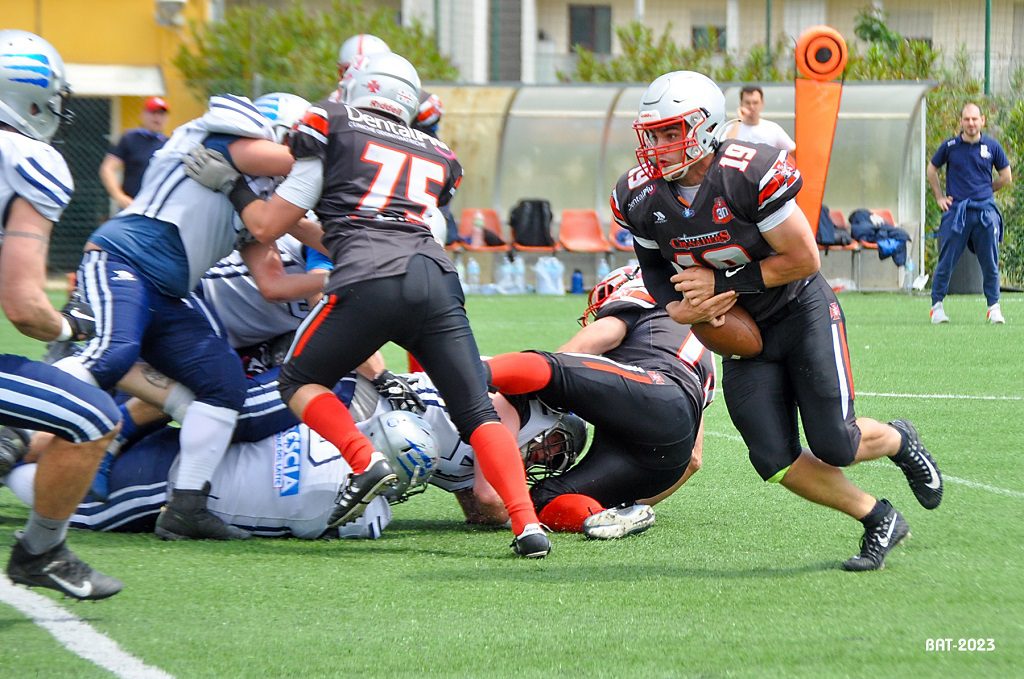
(714, 224)
(372, 180)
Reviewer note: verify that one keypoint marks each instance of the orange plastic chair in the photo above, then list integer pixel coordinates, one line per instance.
(491, 222)
(839, 219)
(621, 239)
(580, 231)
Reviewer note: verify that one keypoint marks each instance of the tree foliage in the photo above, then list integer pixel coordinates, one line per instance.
(294, 49)
(645, 56)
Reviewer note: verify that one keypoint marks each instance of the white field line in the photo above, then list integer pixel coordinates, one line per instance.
(955, 480)
(76, 635)
(955, 397)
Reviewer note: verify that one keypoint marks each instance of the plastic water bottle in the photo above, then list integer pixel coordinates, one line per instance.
(460, 270)
(477, 239)
(908, 275)
(519, 275)
(576, 285)
(603, 269)
(506, 277)
(472, 275)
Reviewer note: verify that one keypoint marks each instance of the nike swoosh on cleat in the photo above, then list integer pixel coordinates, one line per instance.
(888, 533)
(80, 591)
(936, 482)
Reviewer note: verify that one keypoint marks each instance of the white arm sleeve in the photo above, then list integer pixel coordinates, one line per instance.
(777, 217)
(304, 183)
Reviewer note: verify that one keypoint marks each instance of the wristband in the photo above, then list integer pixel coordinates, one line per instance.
(744, 279)
(66, 332)
(241, 195)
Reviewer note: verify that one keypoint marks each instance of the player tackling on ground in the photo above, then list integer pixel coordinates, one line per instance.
(714, 224)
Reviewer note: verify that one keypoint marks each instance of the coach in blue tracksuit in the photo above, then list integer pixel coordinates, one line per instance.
(969, 212)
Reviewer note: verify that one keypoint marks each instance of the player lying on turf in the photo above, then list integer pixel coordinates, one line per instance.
(286, 483)
(642, 380)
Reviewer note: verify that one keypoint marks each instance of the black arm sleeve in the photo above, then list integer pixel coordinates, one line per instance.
(657, 272)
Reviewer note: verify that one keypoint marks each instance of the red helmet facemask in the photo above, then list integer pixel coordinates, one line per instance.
(649, 153)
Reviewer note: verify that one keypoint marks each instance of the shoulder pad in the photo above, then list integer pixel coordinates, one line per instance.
(233, 114)
(37, 173)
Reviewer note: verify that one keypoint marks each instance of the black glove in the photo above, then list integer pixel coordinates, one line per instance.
(399, 392)
(80, 317)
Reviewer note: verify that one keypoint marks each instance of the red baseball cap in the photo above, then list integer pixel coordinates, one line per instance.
(155, 104)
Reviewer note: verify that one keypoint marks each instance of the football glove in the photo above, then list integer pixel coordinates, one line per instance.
(399, 392)
(13, 447)
(211, 169)
(80, 317)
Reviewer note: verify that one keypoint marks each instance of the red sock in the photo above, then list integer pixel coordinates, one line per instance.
(566, 512)
(499, 460)
(329, 417)
(520, 373)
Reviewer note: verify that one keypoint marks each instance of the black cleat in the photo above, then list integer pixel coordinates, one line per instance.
(13, 447)
(61, 570)
(878, 541)
(532, 543)
(918, 466)
(186, 518)
(361, 489)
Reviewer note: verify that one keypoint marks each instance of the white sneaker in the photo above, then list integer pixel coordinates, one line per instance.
(618, 522)
(937, 314)
(995, 314)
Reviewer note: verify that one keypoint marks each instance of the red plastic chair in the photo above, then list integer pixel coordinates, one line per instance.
(839, 219)
(580, 231)
(491, 222)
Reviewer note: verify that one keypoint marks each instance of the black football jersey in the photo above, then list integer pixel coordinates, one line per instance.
(655, 342)
(745, 184)
(380, 177)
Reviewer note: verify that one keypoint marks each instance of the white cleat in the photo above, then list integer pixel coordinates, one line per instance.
(995, 315)
(938, 314)
(618, 522)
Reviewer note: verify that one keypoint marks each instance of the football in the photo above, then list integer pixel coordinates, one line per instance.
(738, 337)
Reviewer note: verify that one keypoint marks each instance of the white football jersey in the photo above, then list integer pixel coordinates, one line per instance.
(34, 171)
(206, 221)
(247, 316)
(286, 484)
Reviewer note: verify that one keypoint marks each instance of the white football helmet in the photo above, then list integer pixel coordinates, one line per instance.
(384, 83)
(283, 110)
(33, 88)
(359, 45)
(687, 99)
(556, 448)
(411, 448)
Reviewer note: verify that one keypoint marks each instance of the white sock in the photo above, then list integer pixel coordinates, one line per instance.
(205, 435)
(179, 398)
(22, 481)
(72, 366)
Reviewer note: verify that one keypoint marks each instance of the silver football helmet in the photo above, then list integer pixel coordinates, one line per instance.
(681, 98)
(33, 88)
(383, 83)
(283, 110)
(411, 448)
(556, 448)
(359, 45)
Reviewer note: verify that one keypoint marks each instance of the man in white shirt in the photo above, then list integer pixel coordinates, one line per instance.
(752, 128)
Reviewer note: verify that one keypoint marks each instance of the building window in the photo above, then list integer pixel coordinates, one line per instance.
(590, 26)
(708, 38)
